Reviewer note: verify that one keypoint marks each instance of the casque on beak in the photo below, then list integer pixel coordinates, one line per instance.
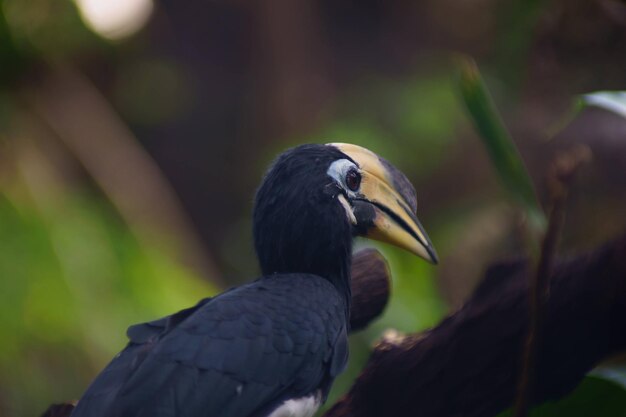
(386, 203)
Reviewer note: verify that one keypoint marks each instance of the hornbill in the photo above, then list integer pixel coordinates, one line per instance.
(274, 346)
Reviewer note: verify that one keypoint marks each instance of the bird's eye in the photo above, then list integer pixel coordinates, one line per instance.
(353, 180)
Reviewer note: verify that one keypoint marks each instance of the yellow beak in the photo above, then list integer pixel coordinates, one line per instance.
(385, 204)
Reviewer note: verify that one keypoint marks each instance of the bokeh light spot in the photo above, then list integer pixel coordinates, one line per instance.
(115, 19)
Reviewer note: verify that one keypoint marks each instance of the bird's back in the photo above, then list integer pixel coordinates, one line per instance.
(240, 354)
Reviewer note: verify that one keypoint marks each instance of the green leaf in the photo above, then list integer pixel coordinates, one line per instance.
(497, 140)
(614, 101)
(595, 396)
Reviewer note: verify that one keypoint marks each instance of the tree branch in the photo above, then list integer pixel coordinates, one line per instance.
(470, 363)
(560, 176)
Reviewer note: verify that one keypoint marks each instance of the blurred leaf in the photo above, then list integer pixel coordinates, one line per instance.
(500, 147)
(613, 101)
(594, 396)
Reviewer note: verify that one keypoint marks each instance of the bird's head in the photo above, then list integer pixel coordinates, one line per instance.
(315, 198)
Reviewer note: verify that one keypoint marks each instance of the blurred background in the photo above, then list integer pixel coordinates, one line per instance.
(133, 134)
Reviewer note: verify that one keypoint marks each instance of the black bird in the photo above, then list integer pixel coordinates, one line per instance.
(272, 347)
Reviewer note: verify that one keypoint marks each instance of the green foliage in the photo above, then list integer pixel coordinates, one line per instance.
(72, 278)
(498, 142)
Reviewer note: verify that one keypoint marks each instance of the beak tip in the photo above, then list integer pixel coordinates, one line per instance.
(434, 259)
(426, 251)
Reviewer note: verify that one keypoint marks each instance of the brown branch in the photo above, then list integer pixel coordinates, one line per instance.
(469, 364)
(538, 294)
(560, 176)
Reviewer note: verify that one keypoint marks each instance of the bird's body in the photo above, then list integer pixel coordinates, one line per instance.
(242, 353)
(271, 348)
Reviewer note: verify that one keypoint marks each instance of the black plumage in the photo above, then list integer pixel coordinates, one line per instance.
(284, 336)
(241, 353)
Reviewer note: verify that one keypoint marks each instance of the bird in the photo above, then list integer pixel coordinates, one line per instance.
(272, 347)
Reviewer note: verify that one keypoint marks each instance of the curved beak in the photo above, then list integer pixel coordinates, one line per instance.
(385, 205)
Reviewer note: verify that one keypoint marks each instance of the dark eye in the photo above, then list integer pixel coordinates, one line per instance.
(353, 180)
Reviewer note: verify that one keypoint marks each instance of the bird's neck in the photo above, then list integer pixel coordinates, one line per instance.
(332, 264)
(341, 280)
(304, 250)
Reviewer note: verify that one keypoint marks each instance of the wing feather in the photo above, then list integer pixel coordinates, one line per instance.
(239, 354)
